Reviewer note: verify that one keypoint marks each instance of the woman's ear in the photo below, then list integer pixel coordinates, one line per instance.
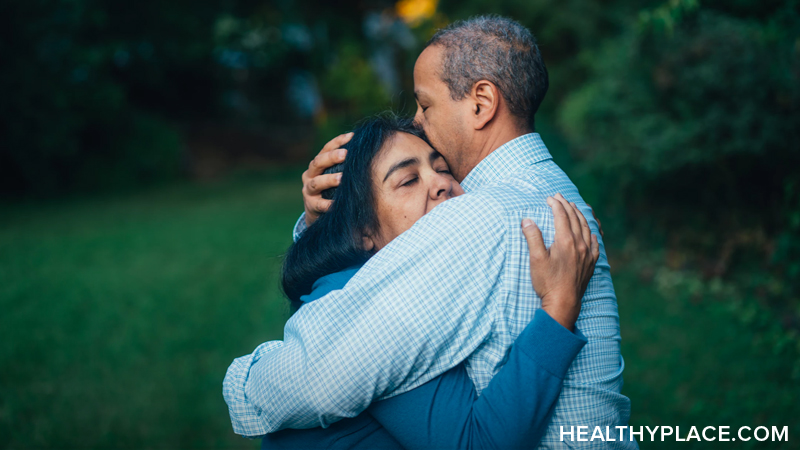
(367, 243)
(486, 101)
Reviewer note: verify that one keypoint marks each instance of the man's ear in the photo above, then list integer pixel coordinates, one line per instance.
(485, 99)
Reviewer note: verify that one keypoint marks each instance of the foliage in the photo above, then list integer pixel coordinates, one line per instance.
(719, 89)
(100, 94)
(688, 127)
(87, 84)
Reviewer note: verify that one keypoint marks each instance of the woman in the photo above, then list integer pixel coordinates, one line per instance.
(390, 179)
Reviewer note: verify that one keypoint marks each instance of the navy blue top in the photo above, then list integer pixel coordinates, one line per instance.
(512, 412)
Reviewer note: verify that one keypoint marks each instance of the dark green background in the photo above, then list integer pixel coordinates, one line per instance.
(149, 172)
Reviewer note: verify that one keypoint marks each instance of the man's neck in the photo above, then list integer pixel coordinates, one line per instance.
(492, 142)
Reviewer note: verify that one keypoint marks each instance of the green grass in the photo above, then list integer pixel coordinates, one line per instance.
(121, 314)
(695, 362)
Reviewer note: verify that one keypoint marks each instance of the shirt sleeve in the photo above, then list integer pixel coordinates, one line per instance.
(299, 227)
(418, 308)
(245, 417)
(512, 412)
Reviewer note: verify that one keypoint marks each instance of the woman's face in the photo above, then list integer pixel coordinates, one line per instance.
(409, 179)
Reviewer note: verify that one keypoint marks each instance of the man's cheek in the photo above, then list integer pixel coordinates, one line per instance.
(419, 118)
(428, 132)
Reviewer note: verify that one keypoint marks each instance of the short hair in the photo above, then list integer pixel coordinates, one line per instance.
(334, 241)
(495, 49)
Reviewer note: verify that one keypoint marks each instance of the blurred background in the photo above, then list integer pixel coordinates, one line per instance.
(150, 161)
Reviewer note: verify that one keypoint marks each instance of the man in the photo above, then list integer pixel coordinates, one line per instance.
(455, 286)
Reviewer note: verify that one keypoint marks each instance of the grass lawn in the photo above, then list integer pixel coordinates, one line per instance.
(121, 314)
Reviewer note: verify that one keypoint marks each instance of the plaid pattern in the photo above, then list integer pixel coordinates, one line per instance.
(454, 287)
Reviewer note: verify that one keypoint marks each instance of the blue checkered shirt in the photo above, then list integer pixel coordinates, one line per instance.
(454, 287)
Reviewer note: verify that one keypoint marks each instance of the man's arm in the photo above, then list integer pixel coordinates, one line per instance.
(416, 309)
(445, 412)
(245, 418)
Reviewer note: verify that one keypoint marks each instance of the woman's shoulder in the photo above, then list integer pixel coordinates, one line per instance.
(330, 282)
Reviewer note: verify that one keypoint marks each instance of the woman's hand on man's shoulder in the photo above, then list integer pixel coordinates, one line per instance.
(561, 273)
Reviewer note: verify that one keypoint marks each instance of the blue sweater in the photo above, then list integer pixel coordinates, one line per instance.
(446, 413)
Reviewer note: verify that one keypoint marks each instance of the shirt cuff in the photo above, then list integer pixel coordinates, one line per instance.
(551, 345)
(299, 227)
(246, 418)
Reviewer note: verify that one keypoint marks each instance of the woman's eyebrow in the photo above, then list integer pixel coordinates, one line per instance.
(434, 156)
(400, 165)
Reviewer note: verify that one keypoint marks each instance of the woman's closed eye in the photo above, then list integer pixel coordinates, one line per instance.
(440, 167)
(409, 182)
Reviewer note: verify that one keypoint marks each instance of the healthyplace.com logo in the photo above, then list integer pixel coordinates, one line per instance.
(662, 433)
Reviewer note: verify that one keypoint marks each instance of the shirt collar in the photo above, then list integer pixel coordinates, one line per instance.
(507, 159)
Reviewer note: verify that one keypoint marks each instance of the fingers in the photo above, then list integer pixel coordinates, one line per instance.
(560, 217)
(595, 248)
(336, 142)
(574, 223)
(323, 161)
(599, 225)
(315, 180)
(329, 156)
(535, 241)
(585, 230)
(319, 205)
(316, 185)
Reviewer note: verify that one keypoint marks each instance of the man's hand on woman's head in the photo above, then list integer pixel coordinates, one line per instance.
(315, 180)
(561, 273)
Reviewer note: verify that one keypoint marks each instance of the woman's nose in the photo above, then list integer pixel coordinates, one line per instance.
(441, 188)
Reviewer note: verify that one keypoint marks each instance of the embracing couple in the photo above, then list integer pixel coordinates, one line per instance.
(449, 285)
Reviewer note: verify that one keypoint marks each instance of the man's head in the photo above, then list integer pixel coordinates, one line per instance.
(478, 84)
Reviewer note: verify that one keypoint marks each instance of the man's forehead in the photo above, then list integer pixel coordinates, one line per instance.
(430, 59)
(426, 70)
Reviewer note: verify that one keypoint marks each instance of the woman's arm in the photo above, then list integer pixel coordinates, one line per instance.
(515, 409)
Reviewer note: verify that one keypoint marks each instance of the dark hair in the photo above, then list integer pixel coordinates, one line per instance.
(495, 49)
(334, 241)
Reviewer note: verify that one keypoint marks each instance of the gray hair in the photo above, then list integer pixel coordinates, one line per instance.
(495, 49)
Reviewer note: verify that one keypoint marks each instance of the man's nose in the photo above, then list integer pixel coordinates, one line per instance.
(418, 118)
